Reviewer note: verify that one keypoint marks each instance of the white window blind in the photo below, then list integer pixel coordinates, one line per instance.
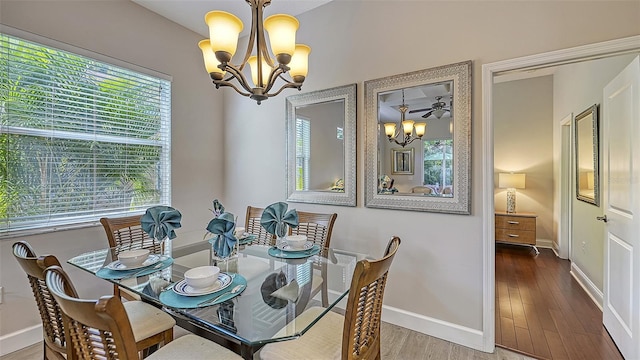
(303, 153)
(79, 138)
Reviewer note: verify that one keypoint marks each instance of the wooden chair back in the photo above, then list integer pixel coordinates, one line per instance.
(95, 329)
(125, 233)
(361, 332)
(252, 226)
(50, 313)
(317, 227)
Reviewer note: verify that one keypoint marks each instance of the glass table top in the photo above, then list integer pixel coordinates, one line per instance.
(273, 287)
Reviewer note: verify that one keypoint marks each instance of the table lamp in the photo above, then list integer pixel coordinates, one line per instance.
(511, 182)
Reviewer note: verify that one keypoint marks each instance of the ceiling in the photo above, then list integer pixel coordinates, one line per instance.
(190, 13)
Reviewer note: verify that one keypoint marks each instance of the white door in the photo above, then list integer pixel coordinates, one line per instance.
(621, 205)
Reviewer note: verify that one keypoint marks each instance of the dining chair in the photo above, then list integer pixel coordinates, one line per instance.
(125, 233)
(360, 337)
(152, 326)
(102, 329)
(421, 190)
(318, 228)
(252, 226)
(52, 329)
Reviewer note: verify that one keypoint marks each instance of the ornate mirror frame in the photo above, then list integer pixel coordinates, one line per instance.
(347, 93)
(460, 202)
(587, 161)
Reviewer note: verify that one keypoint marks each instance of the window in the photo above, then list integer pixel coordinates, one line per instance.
(79, 138)
(438, 166)
(303, 153)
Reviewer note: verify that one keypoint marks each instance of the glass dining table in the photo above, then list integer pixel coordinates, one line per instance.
(257, 299)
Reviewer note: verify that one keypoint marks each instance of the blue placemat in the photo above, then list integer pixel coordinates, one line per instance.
(275, 252)
(170, 298)
(123, 274)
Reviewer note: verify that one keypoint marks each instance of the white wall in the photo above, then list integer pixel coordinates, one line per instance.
(576, 88)
(436, 279)
(435, 284)
(128, 32)
(523, 143)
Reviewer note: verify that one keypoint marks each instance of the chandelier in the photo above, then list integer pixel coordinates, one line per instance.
(217, 51)
(408, 127)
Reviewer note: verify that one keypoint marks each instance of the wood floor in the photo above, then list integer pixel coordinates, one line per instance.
(542, 311)
(396, 343)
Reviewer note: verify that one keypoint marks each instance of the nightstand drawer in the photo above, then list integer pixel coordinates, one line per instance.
(516, 236)
(515, 222)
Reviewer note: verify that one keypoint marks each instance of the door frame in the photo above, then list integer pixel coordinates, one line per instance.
(563, 207)
(489, 70)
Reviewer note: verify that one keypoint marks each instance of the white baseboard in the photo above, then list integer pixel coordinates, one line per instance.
(545, 243)
(20, 339)
(589, 287)
(462, 335)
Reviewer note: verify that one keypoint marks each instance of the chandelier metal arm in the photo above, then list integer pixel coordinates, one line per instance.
(289, 84)
(235, 73)
(219, 83)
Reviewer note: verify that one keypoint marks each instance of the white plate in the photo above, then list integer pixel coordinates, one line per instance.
(181, 287)
(285, 247)
(117, 265)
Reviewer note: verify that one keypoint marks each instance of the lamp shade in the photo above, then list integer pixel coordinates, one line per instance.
(407, 126)
(282, 33)
(299, 65)
(253, 64)
(224, 29)
(390, 129)
(210, 61)
(421, 128)
(511, 180)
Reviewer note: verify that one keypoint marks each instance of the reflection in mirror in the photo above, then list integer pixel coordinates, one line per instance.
(418, 140)
(586, 139)
(430, 171)
(321, 146)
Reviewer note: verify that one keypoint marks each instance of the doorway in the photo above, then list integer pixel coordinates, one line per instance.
(567, 56)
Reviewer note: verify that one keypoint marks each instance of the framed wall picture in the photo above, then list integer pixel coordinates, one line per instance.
(402, 161)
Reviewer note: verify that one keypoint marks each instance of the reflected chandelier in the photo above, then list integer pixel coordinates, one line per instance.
(217, 51)
(407, 127)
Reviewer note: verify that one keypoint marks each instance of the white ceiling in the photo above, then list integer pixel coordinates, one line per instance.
(190, 13)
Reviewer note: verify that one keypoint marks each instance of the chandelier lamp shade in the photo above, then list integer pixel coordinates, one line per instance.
(406, 134)
(289, 57)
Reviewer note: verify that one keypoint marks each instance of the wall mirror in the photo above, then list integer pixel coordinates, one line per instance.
(321, 146)
(586, 139)
(434, 103)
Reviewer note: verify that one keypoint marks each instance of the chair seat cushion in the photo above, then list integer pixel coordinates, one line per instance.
(147, 320)
(322, 341)
(193, 347)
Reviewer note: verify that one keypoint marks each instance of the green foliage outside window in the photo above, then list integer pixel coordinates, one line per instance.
(77, 137)
(438, 168)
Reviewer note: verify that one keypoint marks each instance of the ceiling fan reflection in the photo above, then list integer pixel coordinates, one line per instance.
(438, 109)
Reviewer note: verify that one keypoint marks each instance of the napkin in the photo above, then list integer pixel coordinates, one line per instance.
(275, 219)
(223, 227)
(218, 209)
(288, 292)
(160, 221)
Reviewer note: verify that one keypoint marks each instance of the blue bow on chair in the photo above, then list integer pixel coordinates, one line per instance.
(223, 227)
(275, 219)
(161, 221)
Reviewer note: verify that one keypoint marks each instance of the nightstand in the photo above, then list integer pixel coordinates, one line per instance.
(516, 228)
